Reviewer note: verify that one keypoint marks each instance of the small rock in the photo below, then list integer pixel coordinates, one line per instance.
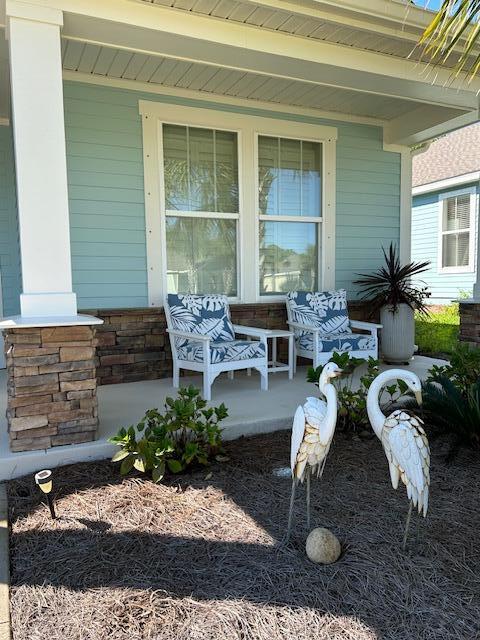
(322, 546)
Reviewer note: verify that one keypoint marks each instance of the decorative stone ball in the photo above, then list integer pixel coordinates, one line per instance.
(322, 546)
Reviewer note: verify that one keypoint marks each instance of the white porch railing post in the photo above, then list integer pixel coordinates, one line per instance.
(40, 155)
(476, 285)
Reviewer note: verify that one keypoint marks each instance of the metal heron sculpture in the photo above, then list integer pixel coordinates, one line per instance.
(404, 442)
(312, 434)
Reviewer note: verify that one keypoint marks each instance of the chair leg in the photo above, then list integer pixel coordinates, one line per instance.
(207, 386)
(263, 378)
(176, 375)
(230, 374)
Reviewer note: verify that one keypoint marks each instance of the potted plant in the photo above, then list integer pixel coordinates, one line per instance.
(392, 290)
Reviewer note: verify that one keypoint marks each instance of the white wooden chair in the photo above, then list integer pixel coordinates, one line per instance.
(321, 325)
(203, 339)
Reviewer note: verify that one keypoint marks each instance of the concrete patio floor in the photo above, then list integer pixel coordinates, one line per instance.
(251, 411)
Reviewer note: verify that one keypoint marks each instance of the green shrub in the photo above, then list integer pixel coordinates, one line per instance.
(352, 400)
(185, 435)
(452, 397)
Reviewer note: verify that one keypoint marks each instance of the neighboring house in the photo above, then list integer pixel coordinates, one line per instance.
(246, 147)
(445, 211)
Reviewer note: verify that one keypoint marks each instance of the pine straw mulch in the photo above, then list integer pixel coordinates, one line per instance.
(199, 558)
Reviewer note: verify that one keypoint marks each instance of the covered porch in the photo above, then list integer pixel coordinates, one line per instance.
(248, 95)
(251, 412)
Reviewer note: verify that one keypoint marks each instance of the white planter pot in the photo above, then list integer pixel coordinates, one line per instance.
(397, 334)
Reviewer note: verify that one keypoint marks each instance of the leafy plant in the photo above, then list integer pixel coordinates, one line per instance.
(392, 284)
(451, 398)
(463, 369)
(352, 399)
(186, 434)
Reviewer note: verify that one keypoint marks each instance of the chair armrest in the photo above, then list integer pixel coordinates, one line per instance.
(368, 326)
(304, 327)
(251, 331)
(196, 337)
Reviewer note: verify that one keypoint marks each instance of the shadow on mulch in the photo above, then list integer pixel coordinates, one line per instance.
(197, 558)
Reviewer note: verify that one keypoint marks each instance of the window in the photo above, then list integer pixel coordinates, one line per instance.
(236, 203)
(289, 210)
(201, 196)
(456, 232)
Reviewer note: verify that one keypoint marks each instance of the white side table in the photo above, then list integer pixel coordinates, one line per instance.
(274, 365)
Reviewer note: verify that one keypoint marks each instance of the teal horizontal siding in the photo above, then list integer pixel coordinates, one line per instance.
(9, 242)
(444, 287)
(105, 172)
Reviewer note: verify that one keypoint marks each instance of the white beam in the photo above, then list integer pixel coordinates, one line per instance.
(38, 126)
(162, 31)
(424, 124)
(410, 128)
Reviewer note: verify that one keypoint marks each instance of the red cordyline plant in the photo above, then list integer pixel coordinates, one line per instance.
(392, 284)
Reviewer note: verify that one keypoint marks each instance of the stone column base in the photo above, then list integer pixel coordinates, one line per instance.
(470, 322)
(51, 387)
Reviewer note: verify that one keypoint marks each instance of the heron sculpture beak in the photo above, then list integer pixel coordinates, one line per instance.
(418, 397)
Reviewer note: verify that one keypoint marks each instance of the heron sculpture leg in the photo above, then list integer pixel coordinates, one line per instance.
(308, 474)
(290, 512)
(407, 524)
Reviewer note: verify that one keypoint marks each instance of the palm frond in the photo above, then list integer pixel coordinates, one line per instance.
(392, 284)
(455, 26)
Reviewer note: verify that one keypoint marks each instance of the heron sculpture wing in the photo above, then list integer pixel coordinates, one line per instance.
(298, 431)
(409, 450)
(315, 410)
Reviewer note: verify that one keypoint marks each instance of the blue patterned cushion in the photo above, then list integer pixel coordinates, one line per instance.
(326, 310)
(223, 351)
(344, 342)
(207, 315)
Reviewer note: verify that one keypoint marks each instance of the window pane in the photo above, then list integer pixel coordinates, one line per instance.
(201, 255)
(456, 250)
(201, 169)
(289, 177)
(288, 256)
(457, 213)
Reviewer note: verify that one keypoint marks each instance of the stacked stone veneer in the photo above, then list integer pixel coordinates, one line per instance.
(133, 344)
(51, 388)
(470, 323)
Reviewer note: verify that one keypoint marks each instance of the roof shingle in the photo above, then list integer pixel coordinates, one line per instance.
(452, 155)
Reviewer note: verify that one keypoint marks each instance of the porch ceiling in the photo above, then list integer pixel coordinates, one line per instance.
(110, 62)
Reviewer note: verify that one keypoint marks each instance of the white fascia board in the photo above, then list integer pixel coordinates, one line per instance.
(136, 26)
(376, 16)
(416, 135)
(416, 125)
(33, 12)
(208, 99)
(447, 183)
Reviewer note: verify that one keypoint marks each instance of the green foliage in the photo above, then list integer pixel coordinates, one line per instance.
(451, 397)
(186, 434)
(438, 332)
(455, 25)
(449, 410)
(352, 399)
(392, 284)
(463, 369)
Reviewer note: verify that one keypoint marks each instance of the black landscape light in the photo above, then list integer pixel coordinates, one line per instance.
(45, 484)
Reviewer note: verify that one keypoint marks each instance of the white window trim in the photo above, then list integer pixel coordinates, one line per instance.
(470, 268)
(154, 114)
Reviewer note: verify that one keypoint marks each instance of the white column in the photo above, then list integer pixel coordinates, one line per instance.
(41, 169)
(476, 218)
